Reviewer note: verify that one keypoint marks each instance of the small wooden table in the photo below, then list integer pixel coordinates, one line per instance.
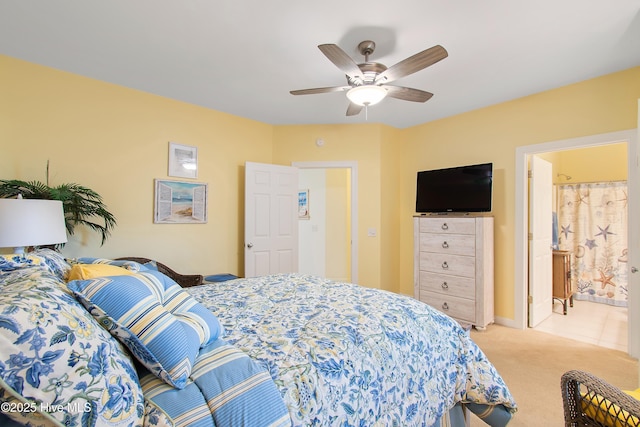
(562, 289)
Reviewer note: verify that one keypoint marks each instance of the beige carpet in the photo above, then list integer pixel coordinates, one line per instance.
(532, 363)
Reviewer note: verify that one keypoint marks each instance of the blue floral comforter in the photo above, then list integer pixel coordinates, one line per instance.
(342, 354)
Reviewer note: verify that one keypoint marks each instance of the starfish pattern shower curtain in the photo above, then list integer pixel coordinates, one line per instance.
(592, 221)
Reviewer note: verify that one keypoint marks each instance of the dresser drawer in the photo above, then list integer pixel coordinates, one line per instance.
(448, 225)
(453, 265)
(459, 308)
(457, 265)
(457, 244)
(464, 287)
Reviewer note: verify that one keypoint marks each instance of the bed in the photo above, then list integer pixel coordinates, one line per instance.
(347, 355)
(277, 350)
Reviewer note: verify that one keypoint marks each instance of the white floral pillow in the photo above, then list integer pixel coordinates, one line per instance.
(42, 258)
(57, 361)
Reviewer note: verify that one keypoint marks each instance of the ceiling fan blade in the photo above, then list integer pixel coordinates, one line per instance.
(340, 58)
(408, 94)
(412, 64)
(354, 109)
(319, 90)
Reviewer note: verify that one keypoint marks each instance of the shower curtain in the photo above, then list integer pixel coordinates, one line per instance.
(592, 221)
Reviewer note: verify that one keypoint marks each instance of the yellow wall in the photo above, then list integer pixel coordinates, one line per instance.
(390, 200)
(337, 223)
(604, 163)
(362, 143)
(376, 148)
(115, 141)
(491, 134)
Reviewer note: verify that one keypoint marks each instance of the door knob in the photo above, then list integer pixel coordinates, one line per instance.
(634, 270)
(250, 245)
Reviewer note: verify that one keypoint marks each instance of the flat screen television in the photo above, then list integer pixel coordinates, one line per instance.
(459, 189)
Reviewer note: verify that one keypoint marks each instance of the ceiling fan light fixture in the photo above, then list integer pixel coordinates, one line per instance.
(366, 95)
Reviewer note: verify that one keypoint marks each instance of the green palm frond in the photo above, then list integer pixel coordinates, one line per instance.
(29, 189)
(81, 204)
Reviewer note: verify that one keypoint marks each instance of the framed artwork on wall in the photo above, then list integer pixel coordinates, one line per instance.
(183, 161)
(179, 202)
(303, 204)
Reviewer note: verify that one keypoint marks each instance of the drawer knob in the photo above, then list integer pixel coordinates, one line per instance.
(445, 266)
(445, 245)
(445, 306)
(445, 285)
(445, 226)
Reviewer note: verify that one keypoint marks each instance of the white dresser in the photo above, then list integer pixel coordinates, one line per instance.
(453, 266)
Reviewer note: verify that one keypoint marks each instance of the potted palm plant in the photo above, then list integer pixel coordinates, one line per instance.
(82, 206)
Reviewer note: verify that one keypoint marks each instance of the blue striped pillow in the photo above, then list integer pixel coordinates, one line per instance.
(226, 388)
(161, 324)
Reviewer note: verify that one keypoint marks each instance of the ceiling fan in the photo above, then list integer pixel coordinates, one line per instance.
(368, 82)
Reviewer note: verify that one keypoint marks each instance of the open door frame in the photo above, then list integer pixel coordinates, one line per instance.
(353, 167)
(522, 218)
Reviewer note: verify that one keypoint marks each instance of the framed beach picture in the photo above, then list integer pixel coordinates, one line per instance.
(303, 204)
(183, 161)
(179, 202)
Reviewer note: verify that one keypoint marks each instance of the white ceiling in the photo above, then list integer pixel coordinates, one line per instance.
(244, 56)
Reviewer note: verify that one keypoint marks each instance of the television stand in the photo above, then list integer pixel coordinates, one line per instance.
(453, 266)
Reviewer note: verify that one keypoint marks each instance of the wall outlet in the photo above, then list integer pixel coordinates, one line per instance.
(371, 232)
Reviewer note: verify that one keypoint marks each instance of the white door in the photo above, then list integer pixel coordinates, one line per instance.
(271, 221)
(540, 241)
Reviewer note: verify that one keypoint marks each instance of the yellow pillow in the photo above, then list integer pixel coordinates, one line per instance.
(617, 416)
(633, 393)
(91, 271)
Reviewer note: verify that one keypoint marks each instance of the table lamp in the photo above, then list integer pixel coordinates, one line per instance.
(31, 222)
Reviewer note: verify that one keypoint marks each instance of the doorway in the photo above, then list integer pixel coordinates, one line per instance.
(347, 173)
(582, 179)
(521, 219)
(324, 244)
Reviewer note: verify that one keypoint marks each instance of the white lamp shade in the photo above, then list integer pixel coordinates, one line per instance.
(31, 222)
(366, 94)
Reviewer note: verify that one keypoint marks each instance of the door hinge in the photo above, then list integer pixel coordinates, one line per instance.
(530, 299)
(530, 173)
(530, 235)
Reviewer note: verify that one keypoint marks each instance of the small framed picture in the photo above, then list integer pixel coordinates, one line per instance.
(178, 202)
(183, 161)
(303, 204)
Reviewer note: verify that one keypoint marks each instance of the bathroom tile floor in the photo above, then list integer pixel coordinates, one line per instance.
(589, 322)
